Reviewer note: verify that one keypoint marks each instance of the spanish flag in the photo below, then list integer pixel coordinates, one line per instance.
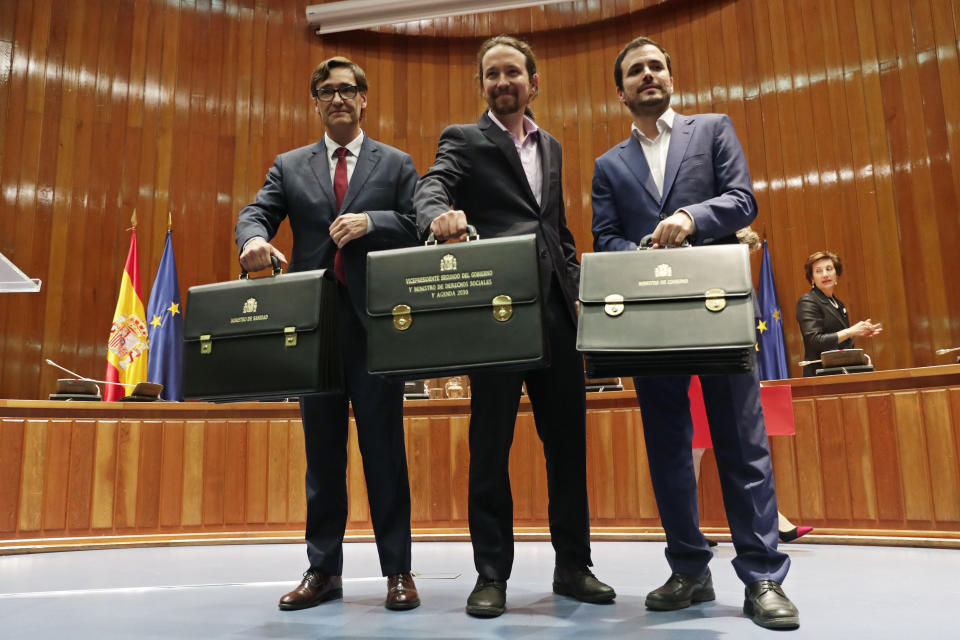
(127, 347)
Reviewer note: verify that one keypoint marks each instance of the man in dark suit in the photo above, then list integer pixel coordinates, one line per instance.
(503, 175)
(685, 177)
(345, 195)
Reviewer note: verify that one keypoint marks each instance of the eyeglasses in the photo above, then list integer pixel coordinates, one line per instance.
(325, 94)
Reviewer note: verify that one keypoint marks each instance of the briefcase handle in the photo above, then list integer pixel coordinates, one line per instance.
(471, 235)
(646, 242)
(273, 261)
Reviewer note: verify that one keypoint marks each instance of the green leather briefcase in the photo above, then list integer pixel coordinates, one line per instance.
(657, 312)
(262, 339)
(455, 308)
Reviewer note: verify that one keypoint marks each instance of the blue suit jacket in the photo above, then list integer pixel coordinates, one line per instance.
(298, 186)
(706, 175)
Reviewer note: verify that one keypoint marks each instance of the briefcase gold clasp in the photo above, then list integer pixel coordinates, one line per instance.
(206, 346)
(716, 299)
(502, 308)
(613, 305)
(401, 317)
(289, 336)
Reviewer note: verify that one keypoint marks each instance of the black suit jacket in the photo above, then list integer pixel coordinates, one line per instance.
(819, 324)
(298, 186)
(478, 170)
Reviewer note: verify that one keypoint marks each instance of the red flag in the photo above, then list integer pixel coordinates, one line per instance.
(127, 346)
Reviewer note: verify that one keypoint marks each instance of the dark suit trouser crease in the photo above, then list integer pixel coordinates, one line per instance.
(743, 462)
(559, 406)
(378, 409)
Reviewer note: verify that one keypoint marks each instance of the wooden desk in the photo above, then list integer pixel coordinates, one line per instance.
(874, 460)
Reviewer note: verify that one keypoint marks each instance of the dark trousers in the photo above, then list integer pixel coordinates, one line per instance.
(743, 461)
(378, 409)
(559, 408)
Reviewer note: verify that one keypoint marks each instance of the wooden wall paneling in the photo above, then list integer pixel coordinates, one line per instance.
(459, 467)
(105, 470)
(128, 466)
(56, 479)
(80, 481)
(194, 447)
(214, 465)
(439, 473)
(912, 448)
(601, 470)
(149, 475)
(358, 509)
(830, 429)
(235, 476)
(809, 478)
(243, 175)
(647, 502)
(32, 475)
(420, 462)
(624, 434)
(256, 474)
(12, 435)
(709, 493)
(941, 454)
(783, 458)
(522, 463)
(297, 470)
(172, 457)
(859, 458)
(886, 458)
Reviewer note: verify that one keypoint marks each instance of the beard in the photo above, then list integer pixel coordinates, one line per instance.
(504, 104)
(652, 105)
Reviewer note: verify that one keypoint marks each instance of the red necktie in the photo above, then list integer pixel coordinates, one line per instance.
(339, 191)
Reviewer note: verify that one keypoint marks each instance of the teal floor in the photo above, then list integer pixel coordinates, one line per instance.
(232, 592)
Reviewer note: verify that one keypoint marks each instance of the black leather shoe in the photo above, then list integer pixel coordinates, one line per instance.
(401, 593)
(680, 591)
(488, 598)
(580, 583)
(316, 587)
(768, 606)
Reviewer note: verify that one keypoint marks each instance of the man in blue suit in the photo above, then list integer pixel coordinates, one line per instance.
(345, 195)
(685, 178)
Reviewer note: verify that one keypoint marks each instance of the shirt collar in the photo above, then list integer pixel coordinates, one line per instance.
(664, 123)
(529, 126)
(353, 146)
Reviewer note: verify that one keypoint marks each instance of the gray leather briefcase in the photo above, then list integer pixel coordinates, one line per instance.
(658, 312)
(261, 339)
(458, 308)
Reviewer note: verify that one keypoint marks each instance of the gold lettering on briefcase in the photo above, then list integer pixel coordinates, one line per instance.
(448, 262)
(613, 305)
(250, 306)
(663, 271)
(401, 317)
(716, 299)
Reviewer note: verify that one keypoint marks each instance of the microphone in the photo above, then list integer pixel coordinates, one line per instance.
(80, 377)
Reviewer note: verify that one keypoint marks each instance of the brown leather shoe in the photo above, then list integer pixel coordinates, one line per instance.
(316, 587)
(401, 592)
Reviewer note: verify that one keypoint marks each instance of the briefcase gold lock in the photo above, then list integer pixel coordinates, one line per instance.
(502, 308)
(206, 346)
(613, 305)
(716, 299)
(401, 317)
(289, 336)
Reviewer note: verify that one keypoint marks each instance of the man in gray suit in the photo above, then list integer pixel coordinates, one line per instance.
(345, 195)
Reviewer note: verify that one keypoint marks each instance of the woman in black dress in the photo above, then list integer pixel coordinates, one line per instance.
(822, 316)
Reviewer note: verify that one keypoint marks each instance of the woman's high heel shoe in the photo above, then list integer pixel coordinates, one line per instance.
(793, 534)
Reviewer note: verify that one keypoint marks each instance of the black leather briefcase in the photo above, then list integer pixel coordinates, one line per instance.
(455, 308)
(657, 312)
(262, 339)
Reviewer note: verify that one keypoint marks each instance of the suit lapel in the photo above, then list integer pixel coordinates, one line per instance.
(825, 301)
(321, 169)
(632, 155)
(366, 162)
(546, 160)
(679, 140)
(502, 140)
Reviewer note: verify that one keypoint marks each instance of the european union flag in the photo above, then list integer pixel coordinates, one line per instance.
(165, 328)
(772, 352)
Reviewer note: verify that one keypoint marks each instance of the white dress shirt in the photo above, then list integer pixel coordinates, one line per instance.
(353, 152)
(656, 150)
(528, 150)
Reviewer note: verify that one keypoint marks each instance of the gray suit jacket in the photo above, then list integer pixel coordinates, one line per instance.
(298, 186)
